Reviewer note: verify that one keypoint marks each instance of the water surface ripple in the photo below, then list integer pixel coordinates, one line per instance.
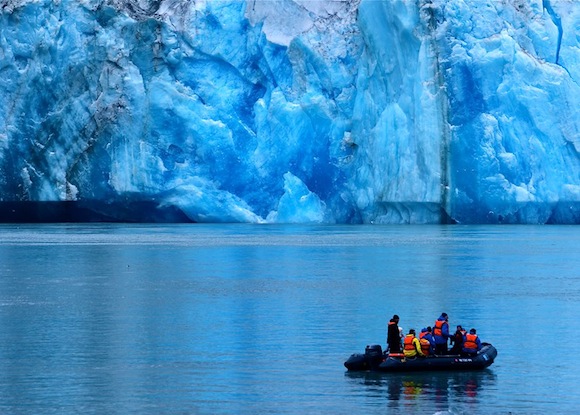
(245, 319)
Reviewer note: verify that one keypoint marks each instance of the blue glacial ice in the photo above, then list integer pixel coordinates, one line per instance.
(291, 111)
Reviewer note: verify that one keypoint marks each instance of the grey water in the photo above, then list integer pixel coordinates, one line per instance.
(247, 319)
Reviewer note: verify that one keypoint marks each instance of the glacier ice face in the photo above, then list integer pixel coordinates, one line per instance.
(513, 111)
(293, 110)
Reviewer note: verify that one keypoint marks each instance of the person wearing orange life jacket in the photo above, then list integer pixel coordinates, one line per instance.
(471, 343)
(411, 345)
(426, 341)
(441, 334)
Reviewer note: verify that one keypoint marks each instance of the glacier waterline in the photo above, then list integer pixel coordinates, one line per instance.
(293, 111)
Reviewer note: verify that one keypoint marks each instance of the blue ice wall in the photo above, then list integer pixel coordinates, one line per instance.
(292, 110)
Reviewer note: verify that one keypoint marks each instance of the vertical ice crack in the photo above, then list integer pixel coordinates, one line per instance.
(431, 19)
(558, 22)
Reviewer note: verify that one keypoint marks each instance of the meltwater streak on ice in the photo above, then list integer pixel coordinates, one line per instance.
(168, 319)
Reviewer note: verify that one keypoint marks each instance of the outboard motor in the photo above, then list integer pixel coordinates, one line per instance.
(372, 357)
(374, 350)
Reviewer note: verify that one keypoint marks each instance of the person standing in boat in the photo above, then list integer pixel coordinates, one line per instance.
(411, 345)
(441, 334)
(393, 337)
(457, 340)
(471, 343)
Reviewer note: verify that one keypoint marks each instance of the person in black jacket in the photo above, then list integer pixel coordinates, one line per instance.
(393, 336)
(457, 341)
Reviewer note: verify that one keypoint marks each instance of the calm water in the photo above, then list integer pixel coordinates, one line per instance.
(247, 319)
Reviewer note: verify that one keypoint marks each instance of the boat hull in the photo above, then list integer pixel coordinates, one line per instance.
(373, 361)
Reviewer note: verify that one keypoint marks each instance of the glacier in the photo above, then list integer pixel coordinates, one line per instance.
(290, 111)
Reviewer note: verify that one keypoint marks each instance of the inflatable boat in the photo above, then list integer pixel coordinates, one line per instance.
(374, 359)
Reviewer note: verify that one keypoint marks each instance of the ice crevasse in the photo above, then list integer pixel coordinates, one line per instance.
(290, 111)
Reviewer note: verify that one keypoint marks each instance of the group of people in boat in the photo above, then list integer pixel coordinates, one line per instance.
(431, 340)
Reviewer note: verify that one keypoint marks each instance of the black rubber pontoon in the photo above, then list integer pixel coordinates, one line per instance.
(375, 360)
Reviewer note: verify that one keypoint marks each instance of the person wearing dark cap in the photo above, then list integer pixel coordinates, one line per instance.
(411, 345)
(457, 340)
(471, 343)
(426, 341)
(393, 337)
(441, 334)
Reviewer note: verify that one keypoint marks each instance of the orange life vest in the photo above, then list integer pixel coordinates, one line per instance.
(470, 341)
(408, 342)
(438, 329)
(425, 345)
